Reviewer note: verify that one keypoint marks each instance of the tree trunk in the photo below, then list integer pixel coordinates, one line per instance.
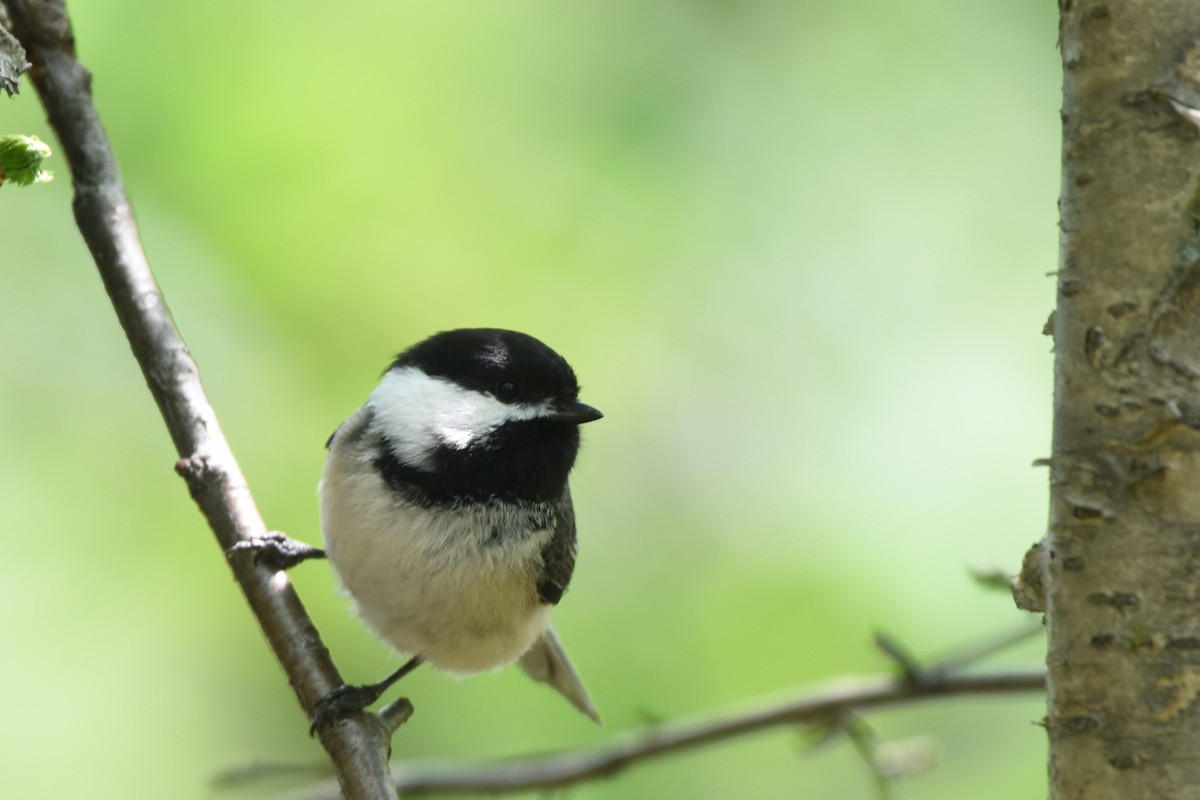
(1121, 562)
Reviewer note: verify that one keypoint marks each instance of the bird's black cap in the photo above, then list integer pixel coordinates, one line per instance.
(513, 366)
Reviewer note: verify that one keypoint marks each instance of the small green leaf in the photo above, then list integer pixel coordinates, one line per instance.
(21, 160)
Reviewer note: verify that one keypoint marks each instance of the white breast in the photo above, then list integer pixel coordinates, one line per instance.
(431, 583)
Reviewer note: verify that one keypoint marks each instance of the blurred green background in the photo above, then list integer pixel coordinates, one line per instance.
(796, 251)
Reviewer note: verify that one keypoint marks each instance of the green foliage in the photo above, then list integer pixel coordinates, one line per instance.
(21, 160)
(796, 252)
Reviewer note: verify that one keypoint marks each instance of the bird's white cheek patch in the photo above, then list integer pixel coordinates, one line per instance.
(418, 413)
(457, 438)
(467, 417)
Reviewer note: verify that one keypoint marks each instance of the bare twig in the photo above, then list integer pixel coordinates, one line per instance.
(866, 744)
(911, 669)
(831, 702)
(970, 654)
(834, 709)
(358, 745)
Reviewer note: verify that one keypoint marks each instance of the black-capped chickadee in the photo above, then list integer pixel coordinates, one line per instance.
(445, 508)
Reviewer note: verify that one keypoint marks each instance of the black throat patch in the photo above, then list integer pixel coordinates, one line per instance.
(523, 461)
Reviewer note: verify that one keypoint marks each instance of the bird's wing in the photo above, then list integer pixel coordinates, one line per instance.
(558, 556)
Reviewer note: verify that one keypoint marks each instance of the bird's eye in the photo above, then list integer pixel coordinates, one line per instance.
(507, 391)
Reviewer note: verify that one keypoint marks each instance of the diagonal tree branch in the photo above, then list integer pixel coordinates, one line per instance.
(358, 745)
(826, 705)
(834, 706)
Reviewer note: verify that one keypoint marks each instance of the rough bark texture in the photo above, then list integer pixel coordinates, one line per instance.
(1122, 561)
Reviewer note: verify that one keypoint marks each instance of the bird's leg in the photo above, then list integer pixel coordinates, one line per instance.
(349, 699)
(276, 550)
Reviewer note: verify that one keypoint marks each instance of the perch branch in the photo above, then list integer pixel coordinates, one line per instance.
(825, 705)
(358, 745)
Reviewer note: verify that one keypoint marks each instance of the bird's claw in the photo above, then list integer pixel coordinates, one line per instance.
(342, 701)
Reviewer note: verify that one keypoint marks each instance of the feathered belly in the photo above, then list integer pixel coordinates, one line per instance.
(456, 587)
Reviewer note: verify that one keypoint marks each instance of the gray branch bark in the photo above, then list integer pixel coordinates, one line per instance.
(1122, 556)
(357, 745)
(825, 706)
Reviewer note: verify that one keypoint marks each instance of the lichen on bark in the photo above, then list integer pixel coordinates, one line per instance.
(1121, 560)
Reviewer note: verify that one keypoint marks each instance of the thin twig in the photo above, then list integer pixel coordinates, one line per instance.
(357, 745)
(909, 667)
(866, 743)
(833, 701)
(965, 656)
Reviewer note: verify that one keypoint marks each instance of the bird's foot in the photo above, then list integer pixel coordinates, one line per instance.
(352, 699)
(342, 701)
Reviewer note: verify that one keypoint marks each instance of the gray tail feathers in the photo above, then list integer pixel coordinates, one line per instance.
(547, 662)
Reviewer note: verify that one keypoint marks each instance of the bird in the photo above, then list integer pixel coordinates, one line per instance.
(446, 512)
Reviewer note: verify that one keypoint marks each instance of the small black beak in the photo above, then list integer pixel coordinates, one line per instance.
(576, 413)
